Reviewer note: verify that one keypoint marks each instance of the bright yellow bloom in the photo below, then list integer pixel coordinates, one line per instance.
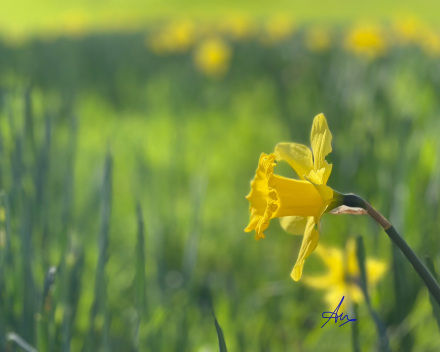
(212, 57)
(175, 37)
(412, 31)
(408, 29)
(299, 203)
(343, 276)
(366, 41)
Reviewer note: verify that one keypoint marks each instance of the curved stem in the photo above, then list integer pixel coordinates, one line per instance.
(352, 200)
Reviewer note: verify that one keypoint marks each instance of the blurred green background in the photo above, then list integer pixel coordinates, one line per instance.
(129, 135)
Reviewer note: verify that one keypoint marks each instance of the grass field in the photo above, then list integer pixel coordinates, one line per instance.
(124, 171)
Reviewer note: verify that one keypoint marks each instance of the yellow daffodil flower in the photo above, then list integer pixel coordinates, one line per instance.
(430, 43)
(212, 57)
(408, 29)
(343, 277)
(176, 37)
(366, 40)
(298, 203)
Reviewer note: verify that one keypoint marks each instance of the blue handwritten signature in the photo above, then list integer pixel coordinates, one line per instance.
(334, 315)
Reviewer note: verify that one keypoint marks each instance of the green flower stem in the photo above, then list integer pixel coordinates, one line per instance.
(354, 201)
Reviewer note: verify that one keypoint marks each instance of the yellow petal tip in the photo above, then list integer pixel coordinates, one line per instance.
(297, 272)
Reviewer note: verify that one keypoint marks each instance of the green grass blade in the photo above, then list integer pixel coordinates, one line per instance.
(99, 306)
(45, 316)
(383, 343)
(30, 303)
(25, 346)
(140, 278)
(199, 186)
(28, 132)
(355, 331)
(72, 279)
(435, 305)
(4, 255)
(221, 338)
(5, 248)
(140, 281)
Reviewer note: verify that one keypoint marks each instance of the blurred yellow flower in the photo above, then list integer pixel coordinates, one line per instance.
(430, 42)
(212, 57)
(176, 37)
(413, 31)
(366, 40)
(299, 203)
(343, 276)
(408, 29)
(278, 28)
(317, 39)
(238, 27)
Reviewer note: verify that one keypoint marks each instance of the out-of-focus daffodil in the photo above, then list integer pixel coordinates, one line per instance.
(343, 276)
(238, 27)
(299, 203)
(366, 40)
(317, 39)
(408, 30)
(412, 31)
(430, 42)
(278, 28)
(176, 37)
(212, 57)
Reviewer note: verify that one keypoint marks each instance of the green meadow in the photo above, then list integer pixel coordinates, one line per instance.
(123, 176)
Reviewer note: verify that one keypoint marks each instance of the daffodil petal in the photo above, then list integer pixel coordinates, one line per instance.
(320, 282)
(309, 243)
(356, 293)
(375, 270)
(295, 225)
(334, 296)
(320, 177)
(324, 191)
(326, 194)
(321, 139)
(333, 257)
(297, 155)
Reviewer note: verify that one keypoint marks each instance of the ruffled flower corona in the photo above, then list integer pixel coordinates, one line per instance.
(298, 203)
